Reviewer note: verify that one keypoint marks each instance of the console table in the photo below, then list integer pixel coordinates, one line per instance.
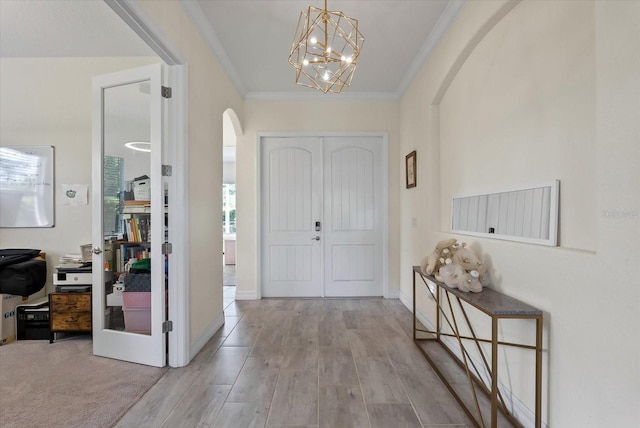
(497, 307)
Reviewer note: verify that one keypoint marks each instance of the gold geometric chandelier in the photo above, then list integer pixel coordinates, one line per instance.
(325, 49)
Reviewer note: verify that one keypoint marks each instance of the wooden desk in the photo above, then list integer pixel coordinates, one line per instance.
(497, 306)
(69, 312)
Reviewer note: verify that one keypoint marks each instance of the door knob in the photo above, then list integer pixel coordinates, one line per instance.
(96, 250)
(317, 238)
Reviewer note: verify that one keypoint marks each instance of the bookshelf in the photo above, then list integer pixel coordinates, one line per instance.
(123, 251)
(136, 219)
(136, 216)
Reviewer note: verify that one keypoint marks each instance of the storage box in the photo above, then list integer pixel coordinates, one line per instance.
(141, 190)
(136, 306)
(8, 313)
(137, 320)
(136, 299)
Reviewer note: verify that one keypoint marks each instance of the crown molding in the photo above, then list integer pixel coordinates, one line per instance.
(451, 11)
(312, 95)
(142, 24)
(196, 14)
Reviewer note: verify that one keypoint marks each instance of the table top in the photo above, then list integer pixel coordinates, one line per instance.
(488, 300)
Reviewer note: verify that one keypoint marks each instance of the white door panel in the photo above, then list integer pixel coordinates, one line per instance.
(292, 201)
(351, 187)
(290, 196)
(353, 207)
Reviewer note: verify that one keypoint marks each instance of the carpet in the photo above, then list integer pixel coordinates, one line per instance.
(64, 385)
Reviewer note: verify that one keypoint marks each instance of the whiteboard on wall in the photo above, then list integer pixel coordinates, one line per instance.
(26, 186)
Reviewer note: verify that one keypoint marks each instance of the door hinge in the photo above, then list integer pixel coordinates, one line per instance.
(166, 92)
(167, 326)
(166, 170)
(167, 248)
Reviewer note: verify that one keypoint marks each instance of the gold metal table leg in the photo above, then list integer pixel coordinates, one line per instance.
(494, 373)
(539, 372)
(414, 305)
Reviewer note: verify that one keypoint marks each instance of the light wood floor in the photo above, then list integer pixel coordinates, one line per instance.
(335, 363)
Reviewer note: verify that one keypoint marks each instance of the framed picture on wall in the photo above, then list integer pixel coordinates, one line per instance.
(411, 169)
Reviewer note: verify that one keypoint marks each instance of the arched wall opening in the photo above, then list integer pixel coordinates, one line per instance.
(231, 130)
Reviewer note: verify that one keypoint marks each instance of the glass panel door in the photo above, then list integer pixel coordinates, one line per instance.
(128, 217)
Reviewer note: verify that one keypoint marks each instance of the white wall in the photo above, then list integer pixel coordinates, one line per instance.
(521, 111)
(523, 92)
(229, 172)
(615, 317)
(210, 94)
(301, 116)
(47, 101)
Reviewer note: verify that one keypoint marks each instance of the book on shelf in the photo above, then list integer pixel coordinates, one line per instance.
(119, 267)
(137, 229)
(141, 229)
(136, 203)
(137, 209)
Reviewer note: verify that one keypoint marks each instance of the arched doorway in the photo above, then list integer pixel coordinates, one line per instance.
(231, 129)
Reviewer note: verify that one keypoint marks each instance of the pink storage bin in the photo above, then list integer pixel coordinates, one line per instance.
(137, 320)
(136, 299)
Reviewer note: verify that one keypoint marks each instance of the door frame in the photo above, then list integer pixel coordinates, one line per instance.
(177, 156)
(385, 199)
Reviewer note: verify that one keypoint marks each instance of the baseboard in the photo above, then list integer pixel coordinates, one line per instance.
(393, 294)
(406, 300)
(206, 335)
(246, 295)
(519, 410)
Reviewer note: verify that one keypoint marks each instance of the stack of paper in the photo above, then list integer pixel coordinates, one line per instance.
(71, 258)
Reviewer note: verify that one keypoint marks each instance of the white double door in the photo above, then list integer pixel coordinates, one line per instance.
(322, 216)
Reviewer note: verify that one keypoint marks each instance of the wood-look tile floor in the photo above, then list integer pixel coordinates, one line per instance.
(334, 363)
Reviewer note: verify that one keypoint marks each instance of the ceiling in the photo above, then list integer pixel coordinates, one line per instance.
(65, 28)
(251, 38)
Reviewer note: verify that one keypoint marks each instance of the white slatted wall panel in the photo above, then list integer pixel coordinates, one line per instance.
(527, 215)
(352, 189)
(290, 190)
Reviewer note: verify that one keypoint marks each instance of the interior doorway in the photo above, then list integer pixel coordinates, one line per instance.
(230, 131)
(228, 232)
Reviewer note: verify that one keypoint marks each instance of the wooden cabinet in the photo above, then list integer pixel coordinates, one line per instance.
(69, 312)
